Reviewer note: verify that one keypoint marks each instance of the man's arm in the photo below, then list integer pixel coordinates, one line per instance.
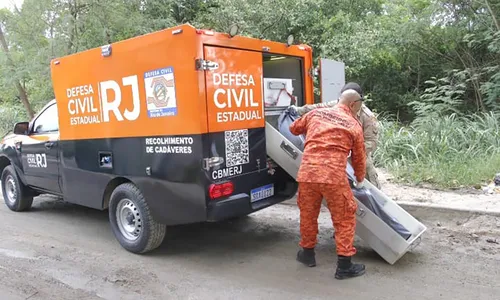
(308, 107)
(299, 126)
(358, 155)
(370, 131)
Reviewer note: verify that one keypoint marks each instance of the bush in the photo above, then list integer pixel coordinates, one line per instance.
(10, 115)
(449, 151)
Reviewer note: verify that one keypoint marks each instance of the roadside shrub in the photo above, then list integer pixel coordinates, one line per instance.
(9, 116)
(448, 151)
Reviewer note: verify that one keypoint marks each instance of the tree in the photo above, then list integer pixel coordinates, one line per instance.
(20, 88)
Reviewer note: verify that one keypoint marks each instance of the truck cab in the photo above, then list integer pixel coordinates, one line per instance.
(35, 145)
(29, 158)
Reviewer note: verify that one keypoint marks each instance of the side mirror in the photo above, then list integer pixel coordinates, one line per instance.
(21, 128)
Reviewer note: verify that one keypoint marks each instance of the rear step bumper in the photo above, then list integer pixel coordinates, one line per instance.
(237, 206)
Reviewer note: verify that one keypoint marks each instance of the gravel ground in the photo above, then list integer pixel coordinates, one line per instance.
(63, 251)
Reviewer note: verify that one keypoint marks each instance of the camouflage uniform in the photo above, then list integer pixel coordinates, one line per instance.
(370, 130)
(331, 133)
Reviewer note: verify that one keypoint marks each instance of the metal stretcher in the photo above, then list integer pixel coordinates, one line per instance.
(381, 222)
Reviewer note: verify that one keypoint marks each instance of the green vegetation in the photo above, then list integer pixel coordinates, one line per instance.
(9, 116)
(430, 66)
(450, 151)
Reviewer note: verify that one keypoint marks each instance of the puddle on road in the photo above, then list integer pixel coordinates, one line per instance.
(78, 279)
(72, 279)
(17, 254)
(109, 292)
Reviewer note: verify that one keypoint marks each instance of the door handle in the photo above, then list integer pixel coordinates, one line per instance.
(49, 145)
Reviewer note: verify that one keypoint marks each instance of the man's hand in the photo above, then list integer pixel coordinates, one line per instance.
(293, 109)
(361, 184)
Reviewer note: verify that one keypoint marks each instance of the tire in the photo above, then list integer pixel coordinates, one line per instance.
(16, 195)
(132, 222)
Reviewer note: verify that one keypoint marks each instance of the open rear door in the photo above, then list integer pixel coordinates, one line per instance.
(236, 139)
(234, 89)
(332, 79)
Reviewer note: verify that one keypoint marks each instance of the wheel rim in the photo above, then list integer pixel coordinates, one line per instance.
(129, 219)
(10, 189)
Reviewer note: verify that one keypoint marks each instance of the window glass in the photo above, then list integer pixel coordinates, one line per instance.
(47, 121)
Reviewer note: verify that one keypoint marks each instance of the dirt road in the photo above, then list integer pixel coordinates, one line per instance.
(62, 251)
(466, 198)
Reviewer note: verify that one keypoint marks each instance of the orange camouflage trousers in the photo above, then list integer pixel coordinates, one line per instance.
(342, 206)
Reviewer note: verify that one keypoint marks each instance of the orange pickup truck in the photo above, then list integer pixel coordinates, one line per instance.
(162, 129)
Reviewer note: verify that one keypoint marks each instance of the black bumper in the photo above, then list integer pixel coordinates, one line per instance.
(237, 206)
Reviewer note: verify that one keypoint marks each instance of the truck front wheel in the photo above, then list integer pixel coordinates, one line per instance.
(16, 195)
(131, 220)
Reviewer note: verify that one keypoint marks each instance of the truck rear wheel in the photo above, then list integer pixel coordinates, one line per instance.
(131, 220)
(16, 195)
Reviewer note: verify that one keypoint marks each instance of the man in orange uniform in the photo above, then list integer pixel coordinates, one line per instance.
(331, 133)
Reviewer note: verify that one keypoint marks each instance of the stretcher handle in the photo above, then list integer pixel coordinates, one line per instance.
(289, 150)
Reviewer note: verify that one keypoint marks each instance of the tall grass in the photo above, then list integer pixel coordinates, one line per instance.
(450, 151)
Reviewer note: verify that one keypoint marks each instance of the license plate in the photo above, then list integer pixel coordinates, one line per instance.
(262, 192)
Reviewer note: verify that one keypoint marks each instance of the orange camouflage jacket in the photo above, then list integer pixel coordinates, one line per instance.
(331, 133)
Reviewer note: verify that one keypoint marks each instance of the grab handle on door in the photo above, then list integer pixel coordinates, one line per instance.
(289, 150)
(49, 145)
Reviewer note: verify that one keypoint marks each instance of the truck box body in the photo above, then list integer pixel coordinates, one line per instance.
(181, 113)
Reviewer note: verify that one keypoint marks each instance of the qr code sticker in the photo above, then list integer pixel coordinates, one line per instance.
(237, 151)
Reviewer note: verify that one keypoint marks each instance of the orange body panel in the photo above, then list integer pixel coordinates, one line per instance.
(32, 139)
(234, 90)
(151, 71)
(149, 86)
(265, 46)
(39, 138)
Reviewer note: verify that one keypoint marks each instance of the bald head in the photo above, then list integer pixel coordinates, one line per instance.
(349, 96)
(351, 99)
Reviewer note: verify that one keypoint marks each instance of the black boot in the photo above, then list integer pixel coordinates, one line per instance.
(346, 269)
(307, 257)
